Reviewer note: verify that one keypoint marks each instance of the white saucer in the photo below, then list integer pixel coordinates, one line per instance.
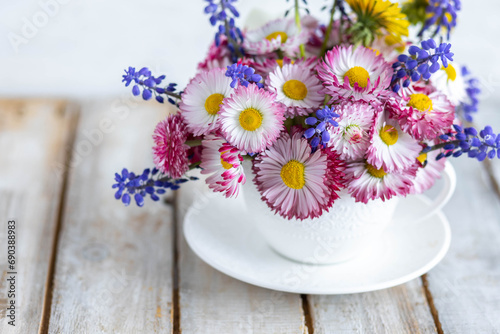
(223, 235)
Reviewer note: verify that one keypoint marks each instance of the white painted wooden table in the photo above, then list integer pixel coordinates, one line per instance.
(86, 264)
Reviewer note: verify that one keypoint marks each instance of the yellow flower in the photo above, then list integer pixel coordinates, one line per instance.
(415, 10)
(377, 17)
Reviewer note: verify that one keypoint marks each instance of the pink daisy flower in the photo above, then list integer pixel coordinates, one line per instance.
(352, 137)
(296, 88)
(202, 99)
(281, 34)
(359, 74)
(250, 119)
(390, 147)
(294, 181)
(170, 149)
(223, 163)
(366, 182)
(423, 116)
(428, 172)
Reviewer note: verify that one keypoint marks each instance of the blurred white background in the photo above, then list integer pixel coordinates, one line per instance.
(79, 48)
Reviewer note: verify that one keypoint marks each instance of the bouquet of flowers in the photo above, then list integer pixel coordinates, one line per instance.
(352, 104)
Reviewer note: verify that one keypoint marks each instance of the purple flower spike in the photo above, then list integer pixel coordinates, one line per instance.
(243, 75)
(421, 63)
(319, 126)
(149, 84)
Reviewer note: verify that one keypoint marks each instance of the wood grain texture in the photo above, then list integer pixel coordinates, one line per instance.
(114, 264)
(34, 137)
(402, 309)
(466, 285)
(211, 302)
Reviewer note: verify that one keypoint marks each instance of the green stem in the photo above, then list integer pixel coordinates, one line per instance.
(193, 166)
(193, 143)
(288, 124)
(279, 53)
(341, 25)
(299, 28)
(438, 146)
(327, 99)
(230, 40)
(177, 96)
(247, 157)
(328, 30)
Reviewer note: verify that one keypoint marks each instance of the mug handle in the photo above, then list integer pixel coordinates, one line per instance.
(450, 182)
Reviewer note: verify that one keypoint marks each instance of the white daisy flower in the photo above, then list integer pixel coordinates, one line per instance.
(296, 182)
(250, 119)
(391, 148)
(366, 182)
(352, 137)
(281, 34)
(223, 163)
(202, 99)
(296, 88)
(423, 116)
(428, 172)
(354, 73)
(451, 83)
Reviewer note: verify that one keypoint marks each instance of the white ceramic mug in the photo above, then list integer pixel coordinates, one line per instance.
(338, 235)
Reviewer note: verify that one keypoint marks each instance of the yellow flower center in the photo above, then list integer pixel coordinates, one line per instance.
(224, 164)
(295, 89)
(250, 119)
(420, 102)
(389, 135)
(450, 72)
(213, 102)
(422, 158)
(378, 173)
(293, 174)
(275, 35)
(358, 75)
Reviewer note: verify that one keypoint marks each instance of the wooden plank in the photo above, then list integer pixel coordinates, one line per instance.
(402, 309)
(34, 135)
(464, 289)
(211, 302)
(466, 286)
(114, 264)
(489, 115)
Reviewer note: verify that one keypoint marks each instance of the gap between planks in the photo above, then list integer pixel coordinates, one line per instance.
(306, 310)
(74, 114)
(45, 318)
(176, 310)
(488, 167)
(430, 302)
